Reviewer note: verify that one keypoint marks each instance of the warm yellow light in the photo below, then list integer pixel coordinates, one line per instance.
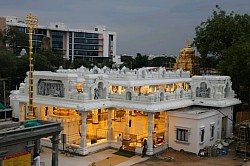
(79, 87)
(64, 112)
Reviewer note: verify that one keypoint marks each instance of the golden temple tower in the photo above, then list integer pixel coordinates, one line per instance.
(187, 60)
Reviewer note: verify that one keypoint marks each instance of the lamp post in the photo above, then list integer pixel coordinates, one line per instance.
(31, 22)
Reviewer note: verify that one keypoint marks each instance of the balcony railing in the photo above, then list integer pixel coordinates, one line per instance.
(154, 97)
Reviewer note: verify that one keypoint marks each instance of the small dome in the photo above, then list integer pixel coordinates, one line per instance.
(22, 85)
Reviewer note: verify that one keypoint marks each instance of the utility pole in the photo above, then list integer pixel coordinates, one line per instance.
(31, 22)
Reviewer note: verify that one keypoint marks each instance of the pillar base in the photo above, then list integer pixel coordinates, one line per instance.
(83, 151)
(150, 152)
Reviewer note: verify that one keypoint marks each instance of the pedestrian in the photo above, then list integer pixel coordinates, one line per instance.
(37, 160)
(145, 147)
(119, 140)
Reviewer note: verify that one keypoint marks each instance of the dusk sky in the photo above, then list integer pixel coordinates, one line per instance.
(145, 26)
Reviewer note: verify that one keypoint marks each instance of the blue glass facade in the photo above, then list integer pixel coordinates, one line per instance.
(57, 39)
(85, 44)
(37, 37)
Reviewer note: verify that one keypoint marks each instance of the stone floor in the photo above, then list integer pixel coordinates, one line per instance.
(99, 158)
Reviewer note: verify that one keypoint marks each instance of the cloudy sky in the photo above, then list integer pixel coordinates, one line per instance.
(145, 26)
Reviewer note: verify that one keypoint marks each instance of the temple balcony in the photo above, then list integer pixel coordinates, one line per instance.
(151, 98)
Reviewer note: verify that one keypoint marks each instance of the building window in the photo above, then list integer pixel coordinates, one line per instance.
(212, 127)
(202, 134)
(128, 96)
(182, 135)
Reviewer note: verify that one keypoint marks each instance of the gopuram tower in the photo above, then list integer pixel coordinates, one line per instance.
(187, 60)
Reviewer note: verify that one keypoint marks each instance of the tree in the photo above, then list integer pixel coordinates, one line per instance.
(7, 64)
(16, 40)
(2, 42)
(236, 64)
(163, 61)
(128, 61)
(141, 61)
(220, 31)
(227, 37)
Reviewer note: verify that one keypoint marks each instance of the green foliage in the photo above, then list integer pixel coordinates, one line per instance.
(208, 61)
(226, 36)
(80, 62)
(2, 42)
(220, 31)
(16, 40)
(7, 64)
(236, 63)
(141, 61)
(128, 61)
(162, 61)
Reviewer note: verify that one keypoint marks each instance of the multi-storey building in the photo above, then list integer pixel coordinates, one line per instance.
(168, 108)
(74, 43)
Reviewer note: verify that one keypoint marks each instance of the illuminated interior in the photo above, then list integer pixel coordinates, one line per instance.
(97, 124)
(148, 89)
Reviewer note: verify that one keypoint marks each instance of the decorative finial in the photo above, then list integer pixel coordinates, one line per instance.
(188, 41)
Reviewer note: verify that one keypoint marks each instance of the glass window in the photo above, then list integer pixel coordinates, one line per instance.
(182, 135)
(202, 134)
(212, 128)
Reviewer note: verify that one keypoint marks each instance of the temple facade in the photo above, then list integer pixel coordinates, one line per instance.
(187, 60)
(94, 106)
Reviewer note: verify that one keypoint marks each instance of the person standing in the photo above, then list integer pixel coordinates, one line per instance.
(145, 147)
(37, 160)
(119, 140)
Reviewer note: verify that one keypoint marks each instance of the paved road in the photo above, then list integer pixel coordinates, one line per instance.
(85, 160)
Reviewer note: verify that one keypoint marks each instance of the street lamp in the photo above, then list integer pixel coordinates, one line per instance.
(31, 22)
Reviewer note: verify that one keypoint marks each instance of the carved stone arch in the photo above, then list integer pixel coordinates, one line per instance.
(181, 93)
(203, 85)
(161, 96)
(99, 90)
(163, 73)
(167, 95)
(128, 95)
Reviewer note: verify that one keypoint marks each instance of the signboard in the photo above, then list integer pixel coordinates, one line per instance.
(19, 159)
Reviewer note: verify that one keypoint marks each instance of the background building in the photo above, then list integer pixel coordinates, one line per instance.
(74, 43)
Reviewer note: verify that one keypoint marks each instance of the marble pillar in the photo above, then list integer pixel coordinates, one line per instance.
(113, 114)
(24, 110)
(95, 117)
(166, 139)
(110, 130)
(126, 132)
(55, 141)
(150, 134)
(83, 146)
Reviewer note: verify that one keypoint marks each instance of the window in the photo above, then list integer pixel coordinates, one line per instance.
(212, 130)
(128, 96)
(182, 135)
(202, 134)
(46, 111)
